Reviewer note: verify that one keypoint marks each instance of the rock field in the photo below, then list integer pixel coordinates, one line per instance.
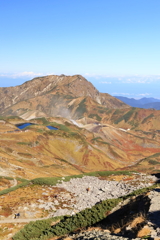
(97, 235)
(89, 190)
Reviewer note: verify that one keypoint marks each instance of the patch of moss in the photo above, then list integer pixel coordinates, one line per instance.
(126, 116)
(153, 162)
(81, 109)
(44, 120)
(95, 116)
(21, 185)
(2, 118)
(54, 180)
(147, 118)
(24, 143)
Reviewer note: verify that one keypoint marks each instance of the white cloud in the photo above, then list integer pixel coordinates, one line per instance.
(21, 75)
(26, 74)
(123, 94)
(129, 80)
(52, 73)
(104, 82)
(140, 79)
(96, 76)
(131, 94)
(136, 80)
(144, 94)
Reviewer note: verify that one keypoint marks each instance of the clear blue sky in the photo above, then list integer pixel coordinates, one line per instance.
(113, 43)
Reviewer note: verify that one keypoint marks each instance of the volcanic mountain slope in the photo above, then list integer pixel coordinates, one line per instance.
(98, 132)
(72, 149)
(133, 118)
(54, 95)
(74, 97)
(40, 152)
(147, 164)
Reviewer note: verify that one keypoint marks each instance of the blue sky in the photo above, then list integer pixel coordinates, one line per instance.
(113, 43)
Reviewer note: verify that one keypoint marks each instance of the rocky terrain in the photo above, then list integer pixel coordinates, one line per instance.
(90, 190)
(72, 128)
(150, 230)
(68, 198)
(88, 145)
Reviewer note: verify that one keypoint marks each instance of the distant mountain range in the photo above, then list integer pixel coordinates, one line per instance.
(141, 103)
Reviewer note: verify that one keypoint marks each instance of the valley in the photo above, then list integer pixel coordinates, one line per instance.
(56, 129)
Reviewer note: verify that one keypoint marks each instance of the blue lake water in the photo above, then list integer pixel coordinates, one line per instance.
(24, 125)
(52, 128)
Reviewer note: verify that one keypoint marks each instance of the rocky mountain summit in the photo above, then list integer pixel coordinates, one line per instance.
(49, 92)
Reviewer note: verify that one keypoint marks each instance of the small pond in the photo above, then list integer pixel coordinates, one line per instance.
(52, 128)
(22, 126)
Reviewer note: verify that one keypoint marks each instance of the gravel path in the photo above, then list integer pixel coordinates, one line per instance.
(21, 220)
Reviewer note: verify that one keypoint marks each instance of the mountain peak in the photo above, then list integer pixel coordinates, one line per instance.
(50, 92)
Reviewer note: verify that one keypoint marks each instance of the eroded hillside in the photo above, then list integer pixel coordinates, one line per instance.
(53, 95)
(70, 148)
(95, 131)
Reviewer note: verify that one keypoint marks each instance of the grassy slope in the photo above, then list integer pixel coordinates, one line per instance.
(69, 150)
(42, 152)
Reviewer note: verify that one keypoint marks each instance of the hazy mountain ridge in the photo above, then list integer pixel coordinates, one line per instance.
(141, 103)
(155, 105)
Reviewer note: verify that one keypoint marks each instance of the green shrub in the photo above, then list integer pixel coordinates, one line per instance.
(33, 230)
(95, 116)
(156, 155)
(23, 143)
(22, 179)
(147, 118)
(81, 109)
(117, 111)
(43, 119)
(54, 180)
(8, 178)
(2, 118)
(5, 191)
(82, 219)
(153, 162)
(126, 116)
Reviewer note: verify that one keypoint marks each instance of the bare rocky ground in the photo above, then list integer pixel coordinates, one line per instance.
(90, 190)
(81, 193)
(154, 213)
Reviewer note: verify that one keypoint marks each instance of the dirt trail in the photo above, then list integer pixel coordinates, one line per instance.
(21, 220)
(14, 183)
